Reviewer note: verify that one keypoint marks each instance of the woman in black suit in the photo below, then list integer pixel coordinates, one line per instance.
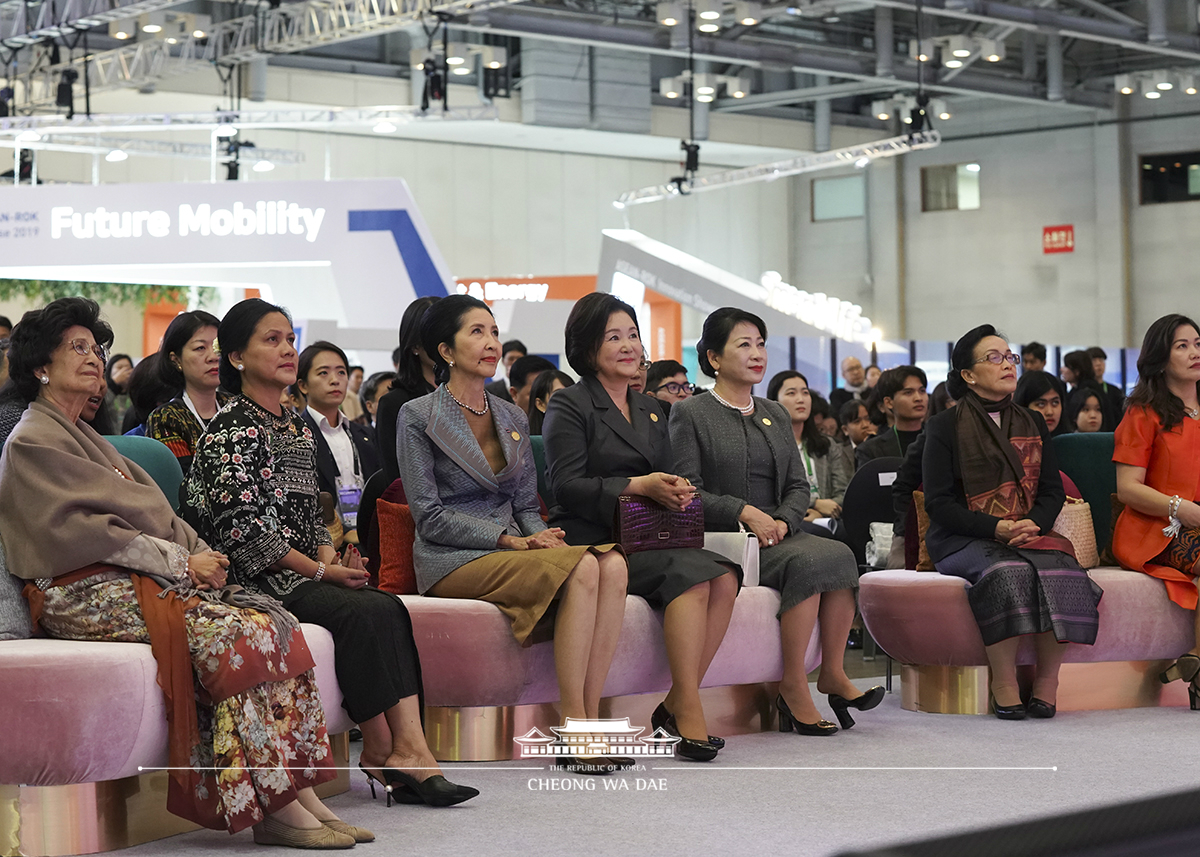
(603, 441)
(346, 453)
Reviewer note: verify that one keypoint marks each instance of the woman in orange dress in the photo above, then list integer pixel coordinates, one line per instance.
(1157, 454)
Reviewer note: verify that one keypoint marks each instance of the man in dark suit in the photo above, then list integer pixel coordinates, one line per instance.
(510, 352)
(521, 376)
(902, 394)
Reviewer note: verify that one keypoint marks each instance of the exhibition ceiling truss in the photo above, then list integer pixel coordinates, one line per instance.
(1063, 53)
(858, 156)
(281, 29)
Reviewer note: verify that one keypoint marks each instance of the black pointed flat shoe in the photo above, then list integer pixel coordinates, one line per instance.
(1041, 709)
(1009, 712)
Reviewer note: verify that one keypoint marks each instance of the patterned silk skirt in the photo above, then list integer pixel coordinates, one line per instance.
(254, 749)
(1017, 591)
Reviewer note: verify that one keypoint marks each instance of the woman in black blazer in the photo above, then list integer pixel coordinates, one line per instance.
(346, 453)
(603, 441)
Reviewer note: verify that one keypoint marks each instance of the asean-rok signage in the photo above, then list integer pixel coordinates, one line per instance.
(352, 252)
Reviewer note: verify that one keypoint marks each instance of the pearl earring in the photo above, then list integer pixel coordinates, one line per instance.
(45, 379)
(451, 362)
(241, 367)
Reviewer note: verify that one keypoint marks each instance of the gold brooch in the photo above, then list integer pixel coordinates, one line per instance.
(766, 421)
(516, 435)
(654, 418)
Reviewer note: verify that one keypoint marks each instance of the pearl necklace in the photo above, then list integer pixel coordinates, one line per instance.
(1194, 413)
(744, 410)
(468, 407)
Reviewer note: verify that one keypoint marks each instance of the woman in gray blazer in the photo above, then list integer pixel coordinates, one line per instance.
(468, 473)
(740, 453)
(603, 441)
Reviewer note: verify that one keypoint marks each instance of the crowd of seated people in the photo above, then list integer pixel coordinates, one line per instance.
(261, 431)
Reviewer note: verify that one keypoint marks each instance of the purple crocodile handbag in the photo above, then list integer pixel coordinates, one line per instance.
(644, 525)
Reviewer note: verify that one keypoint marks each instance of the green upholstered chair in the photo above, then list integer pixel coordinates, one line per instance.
(153, 457)
(1087, 458)
(539, 458)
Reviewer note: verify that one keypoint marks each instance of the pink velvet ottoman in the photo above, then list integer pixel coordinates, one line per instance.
(923, 620)
(482, 688)
(81, 721)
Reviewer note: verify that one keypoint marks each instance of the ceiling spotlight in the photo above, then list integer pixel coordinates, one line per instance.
(992, 50)
(669, 13)
(29, 136)
(939, 108)
(709, 27)
(1123, 83)
(862, 162)
(952, 62)
(456, 53)
(704, 84)
(881, 110)
(151, 28)
(123, 29)
(226, 129)
(199, 34)
(921, 51)
(959, 46)
(494, 56)
(737, 87)
(116, 156)
(384, 127)
(1150, 90)
(708, 10)
(1187, 82)
(1162, 80)
(463, 69)
(704, 99)
(747, 12)
(971, 168)
(670, 87)
(263, 166)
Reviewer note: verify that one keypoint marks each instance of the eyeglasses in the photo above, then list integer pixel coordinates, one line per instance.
(83, 348)
(675, 388)
(645, 364)
(996, 358)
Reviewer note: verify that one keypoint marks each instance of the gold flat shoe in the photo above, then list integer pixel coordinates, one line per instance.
(272, 832)
(360, 834)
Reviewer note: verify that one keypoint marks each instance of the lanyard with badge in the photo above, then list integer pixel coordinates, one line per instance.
(350, 488)
(810, 470)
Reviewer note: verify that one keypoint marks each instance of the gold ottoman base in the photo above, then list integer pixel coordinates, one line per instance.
(1081, 687)
(85, 818)
(485, 733)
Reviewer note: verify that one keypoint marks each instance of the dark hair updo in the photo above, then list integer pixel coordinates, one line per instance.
(179, 333)
(585, 328)
(963, 358)
(234, 335)
(409, 373)
(441, 323)
(41, 331)
(718, 327)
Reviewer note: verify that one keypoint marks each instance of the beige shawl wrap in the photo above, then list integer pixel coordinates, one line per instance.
(63, 505)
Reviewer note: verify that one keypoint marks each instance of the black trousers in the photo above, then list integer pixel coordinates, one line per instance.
(375, 657)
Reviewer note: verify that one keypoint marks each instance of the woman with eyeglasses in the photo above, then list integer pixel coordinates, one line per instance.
(993, 492)
(100, 550)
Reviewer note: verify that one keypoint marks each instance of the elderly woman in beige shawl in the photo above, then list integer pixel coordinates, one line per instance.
(107, 559)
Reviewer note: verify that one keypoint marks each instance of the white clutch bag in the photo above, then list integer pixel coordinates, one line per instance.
(741, 548)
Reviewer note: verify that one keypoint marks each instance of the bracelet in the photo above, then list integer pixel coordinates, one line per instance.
(1174, 525)
(1173, 506)
(320, 572)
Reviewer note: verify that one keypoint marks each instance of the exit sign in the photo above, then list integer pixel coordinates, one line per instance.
(1058, 239)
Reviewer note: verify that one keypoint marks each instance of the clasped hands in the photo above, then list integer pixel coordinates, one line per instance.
(551, 537)
(349, 570)
(770, 531)
(207, 569)
(1016, 533)
(666, 489)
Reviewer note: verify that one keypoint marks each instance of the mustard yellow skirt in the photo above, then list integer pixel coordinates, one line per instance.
(523, 584)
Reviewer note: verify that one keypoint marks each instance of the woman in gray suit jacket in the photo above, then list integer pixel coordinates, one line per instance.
(602, 441)
(468, 471)
(740, 453)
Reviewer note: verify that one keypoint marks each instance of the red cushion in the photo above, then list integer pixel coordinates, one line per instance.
(397, 532)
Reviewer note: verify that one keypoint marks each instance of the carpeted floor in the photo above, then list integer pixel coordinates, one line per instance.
(897, 776)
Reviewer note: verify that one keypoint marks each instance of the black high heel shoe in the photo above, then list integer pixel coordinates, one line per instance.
(1185, 668)
(787, 722)
(372, 780)
(866, 702)
(658, 720)
(433, 791)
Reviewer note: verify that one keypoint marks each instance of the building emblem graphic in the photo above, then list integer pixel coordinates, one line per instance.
(596, 737)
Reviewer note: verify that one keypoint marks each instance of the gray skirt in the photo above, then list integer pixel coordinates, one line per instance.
(662, 576)
(803, 565)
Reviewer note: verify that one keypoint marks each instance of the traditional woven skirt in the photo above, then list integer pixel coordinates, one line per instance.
(254, 750)
(523, 584)
(1017, 591)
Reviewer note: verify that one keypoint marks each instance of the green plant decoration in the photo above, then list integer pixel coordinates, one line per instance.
(44, 291)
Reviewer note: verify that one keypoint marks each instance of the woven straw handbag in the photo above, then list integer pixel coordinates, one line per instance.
(1075, 524)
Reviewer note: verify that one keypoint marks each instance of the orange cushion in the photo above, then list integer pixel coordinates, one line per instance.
(397, 532)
